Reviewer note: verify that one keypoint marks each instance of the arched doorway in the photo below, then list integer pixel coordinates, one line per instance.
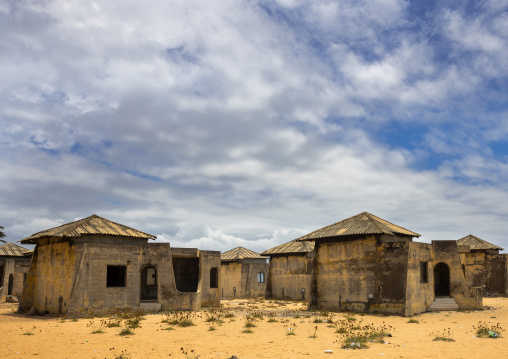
(441, 280)
(10, 285)
(149, 284)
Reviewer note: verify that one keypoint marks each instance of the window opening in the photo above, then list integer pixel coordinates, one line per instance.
(261, 277)
(10, 285)
(186, 274)
(116, 276)
(214, 278)
(424, 272)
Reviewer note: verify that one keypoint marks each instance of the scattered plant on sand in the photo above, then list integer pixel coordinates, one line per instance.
(443, 336)
(126, 330)
(486, 330)
(291, 329)
(412, 320)
(189, 355)
(29, 331)
(313, 335)
(123, 354)
(97, 327)
(180, 318)
(357, 336)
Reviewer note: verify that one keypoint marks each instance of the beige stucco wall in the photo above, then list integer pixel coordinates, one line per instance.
(419, 295)
(242, 275)
(288, 275)
(49, 281)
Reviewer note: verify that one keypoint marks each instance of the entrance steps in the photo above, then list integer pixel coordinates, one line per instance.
(150, 306)
(443, 304)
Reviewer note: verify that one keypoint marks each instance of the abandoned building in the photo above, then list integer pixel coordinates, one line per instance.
(484, 266)
(243, 274)
(14, 265)
(96, 264)
(290, 270)
(367, 264)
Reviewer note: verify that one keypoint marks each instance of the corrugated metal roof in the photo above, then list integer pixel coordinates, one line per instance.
(13, 250)
(363, 223)
(240, 253)
(477, 243)
(294, 246)
(90, 225)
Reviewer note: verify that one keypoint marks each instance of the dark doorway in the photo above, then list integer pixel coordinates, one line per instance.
(10, 285)
(441, 279)
(186, 274)
(214, 278)
(149, 284)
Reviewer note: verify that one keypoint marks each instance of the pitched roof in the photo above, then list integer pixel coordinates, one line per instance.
(363, 223)
(90, 225)
(294, 246)
(239, 253)
(13, 250)
(476, 243)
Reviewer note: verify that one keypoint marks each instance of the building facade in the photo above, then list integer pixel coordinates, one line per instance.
(95, 264)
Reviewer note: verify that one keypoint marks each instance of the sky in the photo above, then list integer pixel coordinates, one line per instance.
(225, 123)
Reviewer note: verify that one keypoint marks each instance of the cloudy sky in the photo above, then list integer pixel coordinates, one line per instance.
(215, 124)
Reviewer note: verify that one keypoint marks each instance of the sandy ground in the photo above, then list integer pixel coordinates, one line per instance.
(59, 337)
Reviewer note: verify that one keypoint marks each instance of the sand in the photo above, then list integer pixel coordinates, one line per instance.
(59, 337)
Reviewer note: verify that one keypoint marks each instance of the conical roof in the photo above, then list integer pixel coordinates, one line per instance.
(294, 246)
(90, 225)
(476, 243)
(239, 253)
(361, 224)
(13, 250)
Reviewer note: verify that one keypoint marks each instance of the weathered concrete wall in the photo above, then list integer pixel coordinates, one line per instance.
(419, 294)
(289, 277)
(250, 285)
(231, 280)
(210, 262)
(243, 276)
(17, 267)
(49, 281)
(466, 296)
(487, 271)
(360, 275)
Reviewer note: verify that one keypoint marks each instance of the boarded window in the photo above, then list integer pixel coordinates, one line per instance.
(116, 276)
(261, 277)
(1, 276)
(424, 272)
(214, 278)
(186, 274)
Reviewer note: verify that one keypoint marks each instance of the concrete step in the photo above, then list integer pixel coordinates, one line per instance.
(444, 304)
(150, 306)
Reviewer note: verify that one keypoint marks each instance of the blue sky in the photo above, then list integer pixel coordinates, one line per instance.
(226, 123)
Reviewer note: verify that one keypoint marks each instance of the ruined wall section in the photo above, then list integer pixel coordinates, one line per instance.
(51, 277)
(231, 280)
(420, 287)
(466, 296)
(210, 297)
(495, 265)
(251, 288)
(290, 277)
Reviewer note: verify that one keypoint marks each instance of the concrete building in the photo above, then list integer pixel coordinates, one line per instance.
(96, 264)
(14, 266)
(243, 274)
(484, 266)
(290, 270)
(367, 264)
